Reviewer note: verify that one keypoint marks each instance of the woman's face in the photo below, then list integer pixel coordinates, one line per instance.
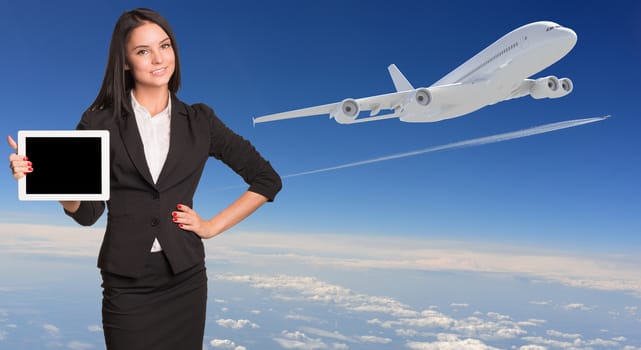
(150, 56)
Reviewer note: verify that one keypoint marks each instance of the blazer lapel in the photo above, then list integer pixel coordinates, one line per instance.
(133, 144)
(179, 131)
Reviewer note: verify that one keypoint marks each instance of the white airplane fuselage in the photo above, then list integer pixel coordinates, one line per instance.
(500, 72)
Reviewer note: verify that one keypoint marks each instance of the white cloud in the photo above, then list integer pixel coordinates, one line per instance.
(600, 342)
(226, 344)
(298, 340)
(52, 330)
(459, 305)
(340, 346)
(450, 342)
(497, 316)
(531, 323)
(406, 333)
(557, 334)
(572, 342)
(489, 330)
(577, 306)
(94, 328)
(532, 347)
(543, 302)
(374, 339)
(326, 334)
(301, 318)
(76, 345)
(3, 335)
(314, 290)
(426, 319)
(236, 324)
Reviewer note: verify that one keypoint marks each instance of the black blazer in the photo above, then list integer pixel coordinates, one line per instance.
(139, 210)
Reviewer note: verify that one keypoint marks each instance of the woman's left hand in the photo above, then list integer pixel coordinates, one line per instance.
(188, 220)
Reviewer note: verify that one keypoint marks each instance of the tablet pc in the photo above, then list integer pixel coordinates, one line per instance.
(67, 165)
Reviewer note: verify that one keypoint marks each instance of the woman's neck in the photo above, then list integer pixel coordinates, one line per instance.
(154, 100)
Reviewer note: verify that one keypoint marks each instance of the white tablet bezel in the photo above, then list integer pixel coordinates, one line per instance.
(104, 147)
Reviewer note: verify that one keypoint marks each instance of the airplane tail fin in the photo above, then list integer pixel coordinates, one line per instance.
(400, 82)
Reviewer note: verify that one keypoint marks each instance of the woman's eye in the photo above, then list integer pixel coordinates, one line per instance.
(142, 52)
(165, 46)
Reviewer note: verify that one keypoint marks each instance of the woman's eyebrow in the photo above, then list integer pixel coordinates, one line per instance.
(144, 46)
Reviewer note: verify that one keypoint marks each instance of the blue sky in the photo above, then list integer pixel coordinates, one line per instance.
(553, 219)
(573, 187)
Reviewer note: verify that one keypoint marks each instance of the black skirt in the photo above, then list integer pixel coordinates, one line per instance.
(159, 310)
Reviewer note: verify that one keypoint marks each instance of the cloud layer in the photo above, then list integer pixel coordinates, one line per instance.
(603, 272)
(415, 328)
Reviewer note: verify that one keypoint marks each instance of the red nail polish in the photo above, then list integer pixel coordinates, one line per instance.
(181, 225)
(174, 214)
(175, 219)
(180, 206)
(28, 163)
(29, 169)
(25, 158)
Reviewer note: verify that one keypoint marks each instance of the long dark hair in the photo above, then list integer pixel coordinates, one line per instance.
(114, 92)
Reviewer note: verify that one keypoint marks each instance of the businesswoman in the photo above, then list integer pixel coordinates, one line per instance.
(152, 255)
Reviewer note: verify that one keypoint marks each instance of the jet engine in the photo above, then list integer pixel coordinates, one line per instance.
(551, 87)
(422, 97)
(418, 98)
(566, 85)
(346, 111)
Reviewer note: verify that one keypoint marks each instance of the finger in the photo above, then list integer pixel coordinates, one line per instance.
(183, 208)
(21, 172)
(12, 143)
(23, 169)
(13, 157)
(180, 217)
(177, 216)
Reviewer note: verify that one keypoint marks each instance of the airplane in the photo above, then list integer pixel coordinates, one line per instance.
(498, 73)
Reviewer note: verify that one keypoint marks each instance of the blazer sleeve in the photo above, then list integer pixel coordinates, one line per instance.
(89, 211)
(241, 156)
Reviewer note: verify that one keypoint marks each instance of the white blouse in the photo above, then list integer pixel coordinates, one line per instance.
(154, 132)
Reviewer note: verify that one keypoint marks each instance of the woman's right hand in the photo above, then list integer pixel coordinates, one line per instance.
(19, 164)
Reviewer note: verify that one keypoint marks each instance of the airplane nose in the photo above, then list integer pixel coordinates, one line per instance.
(565, 38)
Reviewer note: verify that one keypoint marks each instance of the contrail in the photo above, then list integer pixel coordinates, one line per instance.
(469, 143)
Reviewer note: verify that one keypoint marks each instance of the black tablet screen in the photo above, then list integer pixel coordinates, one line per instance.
(64, 165)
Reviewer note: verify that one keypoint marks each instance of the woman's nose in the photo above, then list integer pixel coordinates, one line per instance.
(157, 57)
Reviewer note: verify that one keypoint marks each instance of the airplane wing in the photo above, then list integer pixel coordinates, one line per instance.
(303, 112)
(346, 111)
(417, 105)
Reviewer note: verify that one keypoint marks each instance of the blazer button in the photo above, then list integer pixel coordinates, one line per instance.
(154, 222)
